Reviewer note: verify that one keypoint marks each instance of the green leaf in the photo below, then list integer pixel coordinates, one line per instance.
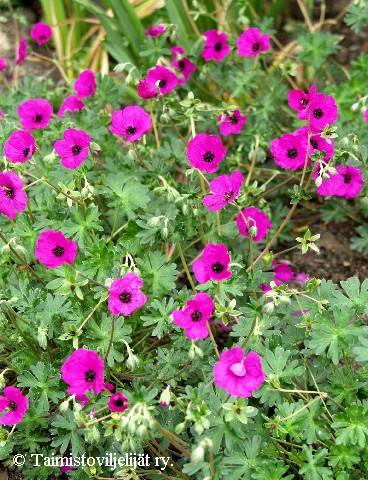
(352, 425)
(357, 296)
(272, 470)
(128, 194)
(158, 274)
(314, 468)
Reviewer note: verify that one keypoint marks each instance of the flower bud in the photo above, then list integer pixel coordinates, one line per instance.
(253, 230)
(179, 428)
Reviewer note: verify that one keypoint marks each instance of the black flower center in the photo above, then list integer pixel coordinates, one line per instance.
(317, 113)
(90, 375)
(255, 47)
(217, 267)
(38, 118)
(125, 297)
(292, 153)
(26, 152)
(347, 178)
(119, 402)
(234, 120)
(12, 406)
(304, 102)
(58, 251)
(314, 144)
(181, 65)
(42, 37)
(196, 316)
(162, 83)
(76, 149)
(228, 196)
(208, 157)
(217, 46)
(9, 192)
(130, 130)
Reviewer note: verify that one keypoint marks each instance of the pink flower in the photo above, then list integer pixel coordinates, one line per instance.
(290, 151)
(71, 103)
(205, 152)
(155, 31)
(195, 316)
(282, 274)
(225, 188)
(82, 371)
(67, 468)
(251, 43)
(159, 79)
(252, 217)
(132, 123)
(232, 123)
(177, 51)
(1, 114)
(322, 111)
(20, 146)
(147, 89)
(297, 312)
(213, 265)
(125, 295)
(118, 402)
(73, 150)
(301, 277)
(3, 64)
(22, 51)
(239, 376)
(85, 85)
(184, 67)
(348, 183)
(16, 405)
(366, 115)
(12, 197)
(41, 33)
(35, 113)
(319, 143)
(298, 100)
(215, 46)
(53, 249)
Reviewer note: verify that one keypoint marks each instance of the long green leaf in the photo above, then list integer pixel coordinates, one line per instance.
(179, 17)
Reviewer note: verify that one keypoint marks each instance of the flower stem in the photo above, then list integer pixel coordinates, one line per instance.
(154, 124)
(87, 278)
(213, 339)
(180, 250)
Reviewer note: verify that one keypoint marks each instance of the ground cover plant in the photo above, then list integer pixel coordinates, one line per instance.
(147, 308)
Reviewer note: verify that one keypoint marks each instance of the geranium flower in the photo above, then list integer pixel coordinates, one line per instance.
(147, 89)
(161, 79)
(125, 295)
(366, 115)
(12, 197)
(16, 405)
(131, 122)
(225, 188)
(290, 151)
(232, 123)
(22, 51)
(322, 111)
(85, 85)
(301, 277)
(73, 150)
(71, 103)
(317, 142)
(299, 101)
(3, 64)
(35, 113)
(184, 67)
(177, 51)
(118, 402)
(215, 46)
(239, 376)
(195, 316)
(348, 183)
(53, 249)
(205, 152)
(20, 146)
(83, 371)
(155, 31)
(282, 274)
(41, 33)
(251, 43)
(213, 265)
(252, 217)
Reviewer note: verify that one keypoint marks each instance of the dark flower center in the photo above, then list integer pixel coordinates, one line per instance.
(9, 192)
(119, 402)
(12, 406)
(162, 83)
(347, 178)
(217, 267)
(42, 37)
(292, 153)
(233, 120)
(131, 130)
(26, 152)
(255, 46)
(90, 375)
(181, 65)
(304, 102)
(217, 46)
(228, 196)
(125, 297)
(317, 113)
(76, 149)
(314, 144)
(208, 157)
(196, 316)
(58, 251)
(38, 118)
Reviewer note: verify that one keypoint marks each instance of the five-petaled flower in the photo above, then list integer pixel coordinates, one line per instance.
(71, 103)
(41, 33)
(35, 113)
(12, 197)
(322, 111)
(22, 51)
(347, 182)
(205, 152)
(182, 65)
(299, 100)
(290, 151)
(232, 123)
(159, 81)
(155, 31)
(213, 265)
(225, 188)
(251, 43)
(83, 371)
(73, 150)
(20, 146)
(253, 223)
(53, 249)
(125, 295)
(85, 85)
(131, 122)
(195, 316)
(118, 402)
(15, 404)
(215, 46)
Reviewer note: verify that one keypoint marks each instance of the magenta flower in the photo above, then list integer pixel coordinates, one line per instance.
(322, 111)
(213, 265)
(16, 405)
(155, 31)
(184, 67)
(20, 146)
(252, 217)
(85, 85)
(35, 113)
(132, 123)
(73, 150)
(147, 89)
(22, 51)
(1, 114)
(12, 197)
(41, 33)
(232, 123)
(3, 64)
(290, 151)
(71, 103)
(366, 115)
(251, 43)
(239, 376)
(177, 51)
(195, 316)
(53, 249)
(118, 402)
(225, 188)
(297, 312)
(282, 274)
(298, 100)
(301, 277)
(215, 46)
(83, 371)
(348, 183)
(160, 79)
(205, 152)
(125, 295)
